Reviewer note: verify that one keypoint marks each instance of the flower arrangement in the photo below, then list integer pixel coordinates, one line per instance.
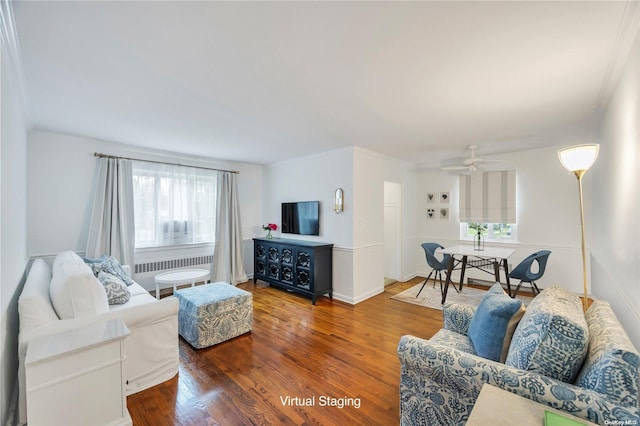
(269, 227)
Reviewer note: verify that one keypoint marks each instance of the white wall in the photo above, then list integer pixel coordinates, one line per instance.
(368, 224)
(357, 233)
(616, 210)
(371, 171)
(13, 226)
(62, 172)
(310, 179)
(547, 218)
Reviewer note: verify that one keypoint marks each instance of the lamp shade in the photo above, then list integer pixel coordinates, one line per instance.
(578, 157)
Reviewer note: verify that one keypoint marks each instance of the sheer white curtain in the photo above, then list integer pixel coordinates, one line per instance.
(173, 204)
(227, 252)
(111, 230)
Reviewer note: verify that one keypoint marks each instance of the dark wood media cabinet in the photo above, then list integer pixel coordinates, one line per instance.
(303, 267)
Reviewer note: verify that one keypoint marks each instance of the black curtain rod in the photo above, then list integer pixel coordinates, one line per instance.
(99, 155)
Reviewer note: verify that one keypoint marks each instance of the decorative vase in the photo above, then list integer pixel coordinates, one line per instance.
(269, 236)
(478, 242)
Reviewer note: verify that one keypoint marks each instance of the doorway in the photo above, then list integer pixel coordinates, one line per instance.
(392, 232)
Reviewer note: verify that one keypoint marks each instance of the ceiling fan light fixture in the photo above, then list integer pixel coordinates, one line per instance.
(472, 163)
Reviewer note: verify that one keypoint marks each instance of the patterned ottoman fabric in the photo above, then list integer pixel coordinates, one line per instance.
(212, 313)
(552, 337)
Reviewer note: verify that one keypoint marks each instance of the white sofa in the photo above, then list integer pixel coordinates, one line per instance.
(152, 347)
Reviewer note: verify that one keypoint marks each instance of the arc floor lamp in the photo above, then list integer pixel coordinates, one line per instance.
(578, 159)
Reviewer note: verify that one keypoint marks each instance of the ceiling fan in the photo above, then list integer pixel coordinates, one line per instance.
(473, 163)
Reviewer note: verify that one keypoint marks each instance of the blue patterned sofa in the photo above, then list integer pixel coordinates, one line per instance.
(546, 362)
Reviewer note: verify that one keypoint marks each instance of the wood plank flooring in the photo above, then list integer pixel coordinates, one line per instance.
(338, 359)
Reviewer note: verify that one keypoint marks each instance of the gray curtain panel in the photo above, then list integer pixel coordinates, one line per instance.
(228, 249)
(112, 230)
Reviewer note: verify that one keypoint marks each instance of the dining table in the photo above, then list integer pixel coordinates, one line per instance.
(488, 260)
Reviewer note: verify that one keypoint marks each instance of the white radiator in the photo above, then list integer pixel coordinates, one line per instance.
(162, 265)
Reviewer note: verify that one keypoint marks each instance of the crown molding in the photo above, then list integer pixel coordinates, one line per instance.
(11, 52)
(627, 31)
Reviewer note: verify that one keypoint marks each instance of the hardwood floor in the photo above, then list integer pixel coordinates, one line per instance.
(338, 359)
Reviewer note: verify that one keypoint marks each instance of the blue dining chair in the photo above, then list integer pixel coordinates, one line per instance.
(437, 266)
(524, 271)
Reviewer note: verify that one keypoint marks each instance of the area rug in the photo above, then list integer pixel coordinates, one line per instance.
(431, 297)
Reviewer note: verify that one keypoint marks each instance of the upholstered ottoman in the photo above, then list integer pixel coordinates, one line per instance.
(212, 313)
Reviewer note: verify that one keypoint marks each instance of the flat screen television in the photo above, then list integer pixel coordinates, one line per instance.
(301, 218)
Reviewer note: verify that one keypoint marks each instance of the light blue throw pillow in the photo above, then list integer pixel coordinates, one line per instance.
(494, 322)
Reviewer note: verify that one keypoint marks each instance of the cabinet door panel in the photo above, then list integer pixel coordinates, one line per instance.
(261, 268)
(260, 262)
(274, 271)
(303, 279)
(287, 274)
(261, 251)
(303, 258)
(287, 256)
(274, 254)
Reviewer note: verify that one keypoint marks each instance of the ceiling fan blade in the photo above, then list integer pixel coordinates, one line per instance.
(477, 160)
(483, 161)
(473, 164)
(448, 168)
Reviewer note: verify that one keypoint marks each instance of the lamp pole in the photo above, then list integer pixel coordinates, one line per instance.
(578, 159)
(585, 304)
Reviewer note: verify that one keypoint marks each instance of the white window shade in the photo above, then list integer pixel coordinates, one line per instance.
(488, 197)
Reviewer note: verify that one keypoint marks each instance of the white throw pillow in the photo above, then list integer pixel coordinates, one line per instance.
(75, 292)
(62, 258)
(34, 305)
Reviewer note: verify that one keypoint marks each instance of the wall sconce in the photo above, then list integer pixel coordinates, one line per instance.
(577, 160)
(338, 201)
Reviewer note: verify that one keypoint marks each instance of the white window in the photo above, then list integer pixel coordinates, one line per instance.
(173, 204)
(490, 231)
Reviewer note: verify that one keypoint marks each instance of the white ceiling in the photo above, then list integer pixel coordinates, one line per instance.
(264, 81)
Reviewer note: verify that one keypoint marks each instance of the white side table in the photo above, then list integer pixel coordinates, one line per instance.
(181, 277)
(497, 407)
(75, 378)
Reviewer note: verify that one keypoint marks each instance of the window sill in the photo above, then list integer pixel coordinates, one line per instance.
(486, 241)
(173, 247)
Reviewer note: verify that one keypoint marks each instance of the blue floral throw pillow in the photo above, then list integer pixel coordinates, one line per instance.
(494, 322)
(109, 265)
(117, 291)
(552, 338)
